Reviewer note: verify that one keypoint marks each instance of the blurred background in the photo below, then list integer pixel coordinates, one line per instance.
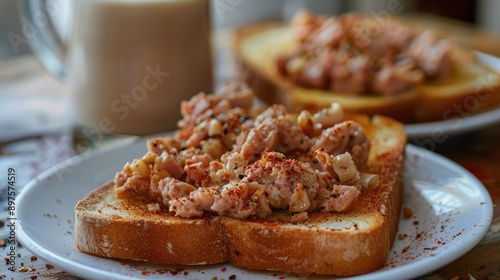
(25, 86)
(482, 14)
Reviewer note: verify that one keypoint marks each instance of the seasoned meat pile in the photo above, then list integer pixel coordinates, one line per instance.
(228, 159)
(355, 54)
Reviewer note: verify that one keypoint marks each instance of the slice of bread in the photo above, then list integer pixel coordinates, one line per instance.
(350, 243)
(256, 46)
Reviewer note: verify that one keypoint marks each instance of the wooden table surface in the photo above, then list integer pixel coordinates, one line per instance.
(478, 152)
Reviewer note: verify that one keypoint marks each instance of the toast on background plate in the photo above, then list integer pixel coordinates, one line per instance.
(368, 64)
(263, 190)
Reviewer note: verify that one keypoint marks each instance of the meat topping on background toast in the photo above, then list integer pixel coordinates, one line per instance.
(230, 159)
(354, 54)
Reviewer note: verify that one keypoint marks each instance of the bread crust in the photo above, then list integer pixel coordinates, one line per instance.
(340, 244)
(135, 233)
(424, 103)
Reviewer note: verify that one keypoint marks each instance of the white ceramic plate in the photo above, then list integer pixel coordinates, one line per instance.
(454, 126)
(451, 213)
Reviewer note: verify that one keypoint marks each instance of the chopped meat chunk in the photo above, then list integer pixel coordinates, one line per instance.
(350, 74)
(129, 187)
(346, 136)
(393, 79)
(260, 139)
(279, 177)
(432, 54)
(170, 188)
(341, 199)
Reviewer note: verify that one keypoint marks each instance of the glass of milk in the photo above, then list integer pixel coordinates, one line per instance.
(128, 64)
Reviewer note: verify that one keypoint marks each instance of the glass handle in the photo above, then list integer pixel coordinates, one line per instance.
(38, 27)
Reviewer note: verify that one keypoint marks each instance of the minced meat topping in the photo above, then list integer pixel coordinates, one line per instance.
(355, 54)
(226, 158)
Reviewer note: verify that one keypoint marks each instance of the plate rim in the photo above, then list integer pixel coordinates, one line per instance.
(82, 270)
(467, 124)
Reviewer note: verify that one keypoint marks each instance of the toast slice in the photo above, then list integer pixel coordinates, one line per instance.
(350, 243)
(256, 47)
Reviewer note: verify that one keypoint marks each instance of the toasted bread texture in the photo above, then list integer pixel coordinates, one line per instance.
(350, 243)
(127, 229)
(256, 47)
